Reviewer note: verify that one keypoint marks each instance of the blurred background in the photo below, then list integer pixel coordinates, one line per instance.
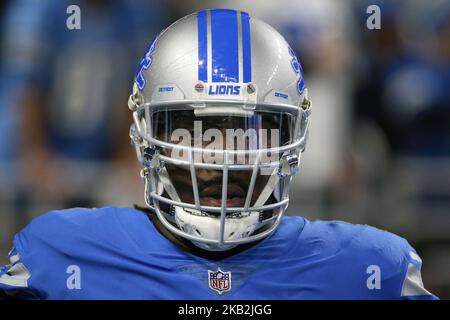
(379, 149)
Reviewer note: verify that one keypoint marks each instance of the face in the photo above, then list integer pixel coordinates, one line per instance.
(210, 186)
(210, 181)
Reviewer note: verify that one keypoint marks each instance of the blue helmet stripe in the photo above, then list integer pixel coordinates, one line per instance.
(225, 52)
(202, 46)
(246, 47)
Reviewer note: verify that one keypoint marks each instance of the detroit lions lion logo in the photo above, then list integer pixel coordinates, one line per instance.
(298, 70)
(144, 65)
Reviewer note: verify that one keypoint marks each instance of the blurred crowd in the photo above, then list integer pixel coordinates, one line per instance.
(379, 148)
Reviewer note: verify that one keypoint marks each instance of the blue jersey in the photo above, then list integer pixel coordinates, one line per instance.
(117, 253)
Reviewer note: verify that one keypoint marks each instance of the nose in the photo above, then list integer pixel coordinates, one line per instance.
(204, 175)
(216, 176)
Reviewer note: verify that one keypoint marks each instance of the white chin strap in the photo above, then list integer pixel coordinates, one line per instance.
(208, 227)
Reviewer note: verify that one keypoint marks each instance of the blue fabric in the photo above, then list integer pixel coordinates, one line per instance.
(121, 255)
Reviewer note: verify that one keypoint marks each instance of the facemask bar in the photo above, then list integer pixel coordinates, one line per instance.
(144, 128)
(159, 159)
(281, 174)
(153, 199)
(160, 175)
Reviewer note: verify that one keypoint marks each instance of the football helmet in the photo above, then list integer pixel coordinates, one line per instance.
(220, 112)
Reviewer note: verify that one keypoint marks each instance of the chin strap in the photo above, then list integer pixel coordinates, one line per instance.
(268, 188)
(288, 167)
(168, 186)
(208, 227)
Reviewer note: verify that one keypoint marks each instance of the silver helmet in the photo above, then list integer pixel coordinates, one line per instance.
(220, 112)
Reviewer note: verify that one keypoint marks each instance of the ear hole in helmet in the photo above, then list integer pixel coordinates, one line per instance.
(231, 234)
(198, 232)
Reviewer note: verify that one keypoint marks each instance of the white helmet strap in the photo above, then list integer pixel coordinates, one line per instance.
(168, 186)
(268, 188)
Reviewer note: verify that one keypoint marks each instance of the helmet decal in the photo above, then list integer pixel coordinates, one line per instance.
(144, 65)
(225, 53)
(246, 47)
(202, 46)
(298, 70)
(230, 61)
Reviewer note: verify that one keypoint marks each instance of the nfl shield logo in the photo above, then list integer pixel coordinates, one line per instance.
(219, 281)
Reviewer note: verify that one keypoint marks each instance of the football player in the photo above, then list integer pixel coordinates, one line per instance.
(221, 115)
